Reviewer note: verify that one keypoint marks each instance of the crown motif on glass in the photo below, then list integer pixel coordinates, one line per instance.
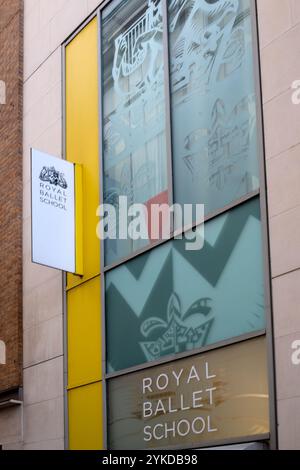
(180, 332)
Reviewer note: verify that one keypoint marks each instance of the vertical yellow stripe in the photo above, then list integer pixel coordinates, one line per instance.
(82, 140)
(79, 219)
(83, 292)
(85, 418)
(84, 328)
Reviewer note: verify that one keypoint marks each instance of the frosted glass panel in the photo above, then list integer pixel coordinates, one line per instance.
(213, 101)
(134, 157)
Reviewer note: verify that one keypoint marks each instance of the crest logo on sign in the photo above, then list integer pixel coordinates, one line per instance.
(53, 211)
(52, 176)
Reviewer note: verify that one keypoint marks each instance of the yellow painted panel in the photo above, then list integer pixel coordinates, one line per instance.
(84, 334)
(82, 137)
(85, 418)
(79, 221)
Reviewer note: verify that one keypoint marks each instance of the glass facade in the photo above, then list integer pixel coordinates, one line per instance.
(180, 125)
(213, 107)
(214, 162)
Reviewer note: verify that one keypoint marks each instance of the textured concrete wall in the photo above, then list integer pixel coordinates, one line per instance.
(279, 28)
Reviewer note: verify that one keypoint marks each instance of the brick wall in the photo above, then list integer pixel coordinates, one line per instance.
(11, 65)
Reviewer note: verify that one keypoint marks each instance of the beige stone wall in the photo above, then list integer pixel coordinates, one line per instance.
(279, 28)
(47, 24)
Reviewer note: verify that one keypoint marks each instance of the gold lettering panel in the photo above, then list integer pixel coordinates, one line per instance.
(218, 395)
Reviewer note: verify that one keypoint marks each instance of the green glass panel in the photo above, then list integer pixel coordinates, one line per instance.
(170, 300)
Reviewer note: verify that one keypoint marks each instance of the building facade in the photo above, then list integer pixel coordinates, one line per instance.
(11, 105)
(153, 345)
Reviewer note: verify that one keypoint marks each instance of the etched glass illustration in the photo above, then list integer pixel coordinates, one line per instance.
(223, 297)
(213, 101)
(133, 110)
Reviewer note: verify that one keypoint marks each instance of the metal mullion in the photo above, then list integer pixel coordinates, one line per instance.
(64, 274)
(167, 99)
(179, 356)
(79, 28)
(219, 443)
(102, 254)
(92, 15)
(222, 211)
(265, 229)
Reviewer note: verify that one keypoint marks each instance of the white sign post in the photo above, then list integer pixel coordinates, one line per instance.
(53, 211)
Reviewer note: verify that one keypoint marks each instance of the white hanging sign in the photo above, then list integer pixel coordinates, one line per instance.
(53, 211)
